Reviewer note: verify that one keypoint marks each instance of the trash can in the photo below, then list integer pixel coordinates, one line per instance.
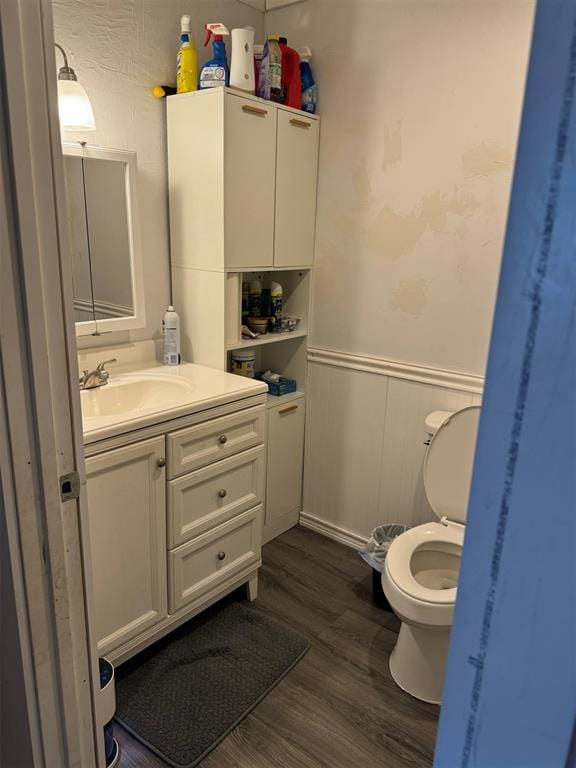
(374, 553)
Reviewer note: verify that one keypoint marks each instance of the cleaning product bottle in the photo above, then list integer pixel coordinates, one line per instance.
(187, 62)
(171, 334)
(275, 68)
(215, 72)
(276, 295)
(270, 75)
(291, 82)
(309, 88)
(242, 69)
(258, 54)
(255, 299)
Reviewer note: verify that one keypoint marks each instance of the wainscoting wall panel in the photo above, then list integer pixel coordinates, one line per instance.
(365, 441)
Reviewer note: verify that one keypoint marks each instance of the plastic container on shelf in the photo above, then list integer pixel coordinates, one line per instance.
(309, 87)
(215, 73)
(242, 67)
(243, 361)
(291, 80)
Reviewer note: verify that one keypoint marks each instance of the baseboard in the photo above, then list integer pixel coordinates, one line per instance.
(331, 531)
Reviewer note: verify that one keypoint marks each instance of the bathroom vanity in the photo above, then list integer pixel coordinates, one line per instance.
(175, 469)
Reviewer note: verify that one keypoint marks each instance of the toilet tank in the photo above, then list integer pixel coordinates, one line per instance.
(434, 421)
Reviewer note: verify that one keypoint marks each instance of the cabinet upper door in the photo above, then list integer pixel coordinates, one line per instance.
(249, 169)
(127, 524)
(296, 184)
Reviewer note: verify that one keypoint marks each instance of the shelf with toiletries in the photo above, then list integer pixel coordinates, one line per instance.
(251, 306)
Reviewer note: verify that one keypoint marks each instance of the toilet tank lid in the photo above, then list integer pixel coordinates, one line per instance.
(434, 421)
(449, 462)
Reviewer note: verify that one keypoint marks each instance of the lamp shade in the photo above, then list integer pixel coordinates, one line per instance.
(74, 107)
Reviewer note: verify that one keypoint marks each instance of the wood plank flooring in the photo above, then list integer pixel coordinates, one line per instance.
(339, 707)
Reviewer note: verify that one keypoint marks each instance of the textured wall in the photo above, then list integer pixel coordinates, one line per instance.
(420, 103)
(119, 49)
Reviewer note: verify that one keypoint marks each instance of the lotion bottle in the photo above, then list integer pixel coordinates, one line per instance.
(171, 335)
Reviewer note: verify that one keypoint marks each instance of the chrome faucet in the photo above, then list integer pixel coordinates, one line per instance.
(97, 377)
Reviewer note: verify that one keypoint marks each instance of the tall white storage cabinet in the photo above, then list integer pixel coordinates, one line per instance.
(243, 180)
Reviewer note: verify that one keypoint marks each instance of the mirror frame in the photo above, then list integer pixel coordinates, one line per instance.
(128, 157)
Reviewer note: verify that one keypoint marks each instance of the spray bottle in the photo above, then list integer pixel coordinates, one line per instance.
(187, 62)
(215, 72)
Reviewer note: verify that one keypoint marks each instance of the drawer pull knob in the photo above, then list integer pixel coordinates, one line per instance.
(221, 555)
(222, 493)
(300, 123)
(222, 439)
(161, 462)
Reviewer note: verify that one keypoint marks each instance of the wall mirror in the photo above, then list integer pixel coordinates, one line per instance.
(104, 238)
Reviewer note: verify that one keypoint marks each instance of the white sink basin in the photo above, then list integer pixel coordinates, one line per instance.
(130, 395)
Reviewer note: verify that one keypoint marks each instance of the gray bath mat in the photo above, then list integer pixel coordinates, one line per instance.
(183, 695)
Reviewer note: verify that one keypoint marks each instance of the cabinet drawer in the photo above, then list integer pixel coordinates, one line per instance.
(210, 559)
(217, 439)
(213, 495)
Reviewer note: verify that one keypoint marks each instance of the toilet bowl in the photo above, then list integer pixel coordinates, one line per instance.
(420, 575)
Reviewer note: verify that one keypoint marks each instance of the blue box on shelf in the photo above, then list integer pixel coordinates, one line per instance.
(278, 388)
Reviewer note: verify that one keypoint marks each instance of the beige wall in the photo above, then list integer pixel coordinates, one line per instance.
(420, 103)
(120, 49)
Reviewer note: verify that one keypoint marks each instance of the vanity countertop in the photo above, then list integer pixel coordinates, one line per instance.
(138, 396)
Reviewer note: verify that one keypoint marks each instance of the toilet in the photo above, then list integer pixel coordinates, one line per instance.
(420, 574)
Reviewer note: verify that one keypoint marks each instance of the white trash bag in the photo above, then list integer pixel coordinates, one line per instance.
(376, 548)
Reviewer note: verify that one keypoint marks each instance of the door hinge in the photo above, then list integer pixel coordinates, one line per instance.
(69, 486)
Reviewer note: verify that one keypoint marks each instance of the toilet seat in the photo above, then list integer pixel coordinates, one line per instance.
(447, 476)
(399, 560)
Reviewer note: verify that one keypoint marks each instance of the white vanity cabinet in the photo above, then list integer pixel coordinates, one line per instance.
(127, 524)
(175, 521)
(243, 179)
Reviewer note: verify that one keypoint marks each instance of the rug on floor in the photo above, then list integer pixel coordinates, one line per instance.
(184, 694)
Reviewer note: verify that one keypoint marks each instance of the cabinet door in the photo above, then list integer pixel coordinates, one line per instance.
(296, 184)
(249, 180)
(285, 459)
(127, 524)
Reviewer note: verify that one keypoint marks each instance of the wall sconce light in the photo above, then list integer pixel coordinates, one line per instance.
(73, 103)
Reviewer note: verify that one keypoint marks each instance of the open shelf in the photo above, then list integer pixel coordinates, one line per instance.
(268, 338)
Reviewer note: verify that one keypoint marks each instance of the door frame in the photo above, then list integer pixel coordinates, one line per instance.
(40, 418)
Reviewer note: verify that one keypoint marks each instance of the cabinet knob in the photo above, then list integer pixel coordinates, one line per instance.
(222, 493)
(221, 555)
(222, 439)
(161, 462)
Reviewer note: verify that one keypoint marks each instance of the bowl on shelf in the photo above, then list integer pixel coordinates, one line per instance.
(258, 324)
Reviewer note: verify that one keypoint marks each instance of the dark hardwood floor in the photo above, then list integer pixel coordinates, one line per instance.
(339, 707)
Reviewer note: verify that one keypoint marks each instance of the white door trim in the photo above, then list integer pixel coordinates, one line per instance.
(41, 409)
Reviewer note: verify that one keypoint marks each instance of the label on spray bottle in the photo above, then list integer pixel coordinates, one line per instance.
(213, 77)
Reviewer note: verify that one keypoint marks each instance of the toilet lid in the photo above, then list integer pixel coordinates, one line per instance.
(448, 464)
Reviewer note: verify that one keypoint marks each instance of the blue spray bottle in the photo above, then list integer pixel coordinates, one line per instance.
(215, 72)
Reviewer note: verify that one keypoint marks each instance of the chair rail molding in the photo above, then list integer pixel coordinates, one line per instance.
(464, 382)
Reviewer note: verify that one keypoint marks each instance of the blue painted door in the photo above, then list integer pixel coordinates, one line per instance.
(510, 695)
